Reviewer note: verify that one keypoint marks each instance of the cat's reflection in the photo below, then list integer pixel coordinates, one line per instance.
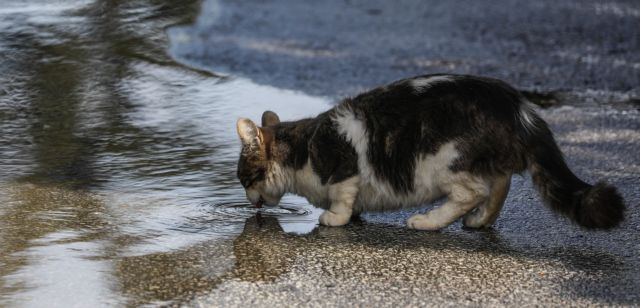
(263, 251)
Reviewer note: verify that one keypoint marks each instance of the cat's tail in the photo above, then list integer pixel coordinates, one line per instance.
(596, 206)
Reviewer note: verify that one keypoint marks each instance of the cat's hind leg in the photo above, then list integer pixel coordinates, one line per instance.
(342, 195)
(487, 213)
(463, 197)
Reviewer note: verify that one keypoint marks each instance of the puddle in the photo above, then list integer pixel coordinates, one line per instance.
(107, 139)
(234, 210)
(294, 214)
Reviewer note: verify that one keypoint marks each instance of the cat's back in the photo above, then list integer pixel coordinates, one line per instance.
(450, 93)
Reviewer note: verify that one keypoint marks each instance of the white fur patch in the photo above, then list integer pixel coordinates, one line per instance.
(307, 183)
(421, 84)
(526, 117)
(432, 174)
(355, 132)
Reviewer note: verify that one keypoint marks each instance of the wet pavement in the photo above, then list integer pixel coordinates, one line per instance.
(118, 152)
(340, 47)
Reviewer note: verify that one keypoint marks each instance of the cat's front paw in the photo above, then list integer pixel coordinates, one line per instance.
(329, 218)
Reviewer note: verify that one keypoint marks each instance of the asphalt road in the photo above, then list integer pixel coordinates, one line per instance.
(340, 47)
(580, 55)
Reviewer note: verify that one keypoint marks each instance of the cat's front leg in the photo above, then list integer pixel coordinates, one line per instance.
(342, 196)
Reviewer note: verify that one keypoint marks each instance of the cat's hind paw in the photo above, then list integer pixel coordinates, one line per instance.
(476, 221)
(331, 219)
(423, 222)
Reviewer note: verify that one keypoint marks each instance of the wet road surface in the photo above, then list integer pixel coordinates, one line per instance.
(345, 46)
(117, 162)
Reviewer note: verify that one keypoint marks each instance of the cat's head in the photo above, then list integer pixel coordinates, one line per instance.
(258, 172)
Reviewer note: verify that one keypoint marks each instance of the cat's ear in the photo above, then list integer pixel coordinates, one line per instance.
(249, 133)
(270, 118)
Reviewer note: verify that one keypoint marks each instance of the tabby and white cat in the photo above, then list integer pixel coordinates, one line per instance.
(415, 141)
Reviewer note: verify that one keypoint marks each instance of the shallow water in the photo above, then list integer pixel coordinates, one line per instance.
(113, 155)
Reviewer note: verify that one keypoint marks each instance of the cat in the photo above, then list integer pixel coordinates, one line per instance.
(414, 141)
